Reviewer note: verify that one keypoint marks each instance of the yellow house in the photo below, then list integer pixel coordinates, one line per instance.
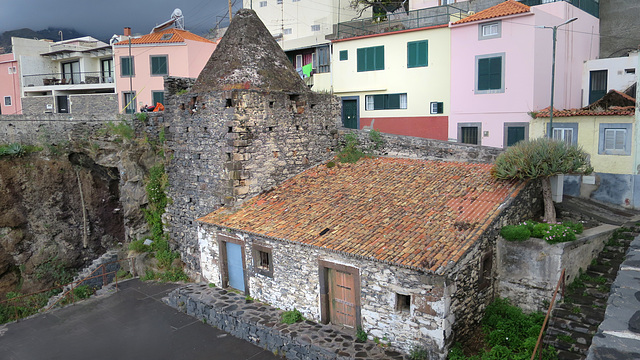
(603, 129)
(395, 82)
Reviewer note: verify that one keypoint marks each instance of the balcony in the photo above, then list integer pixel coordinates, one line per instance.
(93, 78)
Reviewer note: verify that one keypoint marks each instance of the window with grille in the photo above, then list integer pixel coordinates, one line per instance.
(370, 59)
(7, 101)
(323, 65)
(385, 102)
(437, 108)
(469, 133)
(262, 260)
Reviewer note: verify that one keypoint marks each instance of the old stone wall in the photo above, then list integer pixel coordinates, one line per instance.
(428, 149)
(295, 282)
(229, 146)
(50, 128)
(476, 273)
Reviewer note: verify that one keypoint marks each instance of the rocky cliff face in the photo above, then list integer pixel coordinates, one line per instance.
(59, 212)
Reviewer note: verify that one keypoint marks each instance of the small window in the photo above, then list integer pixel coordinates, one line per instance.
(128, 104)
(403, 303)
(287, 31)
(157, 97)
(7, 101)
(417, 53)
(262, 260)
(486, 269)
(126, 66)
(490, 30)
(615, 139)
(295, 0)
(344, 55)
(279, 2)
(563, 134)
(385, 102)
(437, 107)
(627, 71)
(166, 37)
(298, 61)
(11, 69)
(315, 27)
(371, 58)
(159, 65)
(263, 4)
(469, 133)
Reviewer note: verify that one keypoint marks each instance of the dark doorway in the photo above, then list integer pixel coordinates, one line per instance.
(350, 113)
(62, 102)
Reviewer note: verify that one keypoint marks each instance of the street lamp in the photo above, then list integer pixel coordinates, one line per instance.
(553, 69)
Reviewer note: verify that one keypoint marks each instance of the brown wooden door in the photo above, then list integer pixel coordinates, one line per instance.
(342, 298)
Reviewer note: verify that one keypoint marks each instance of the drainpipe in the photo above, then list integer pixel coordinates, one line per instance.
(636, 132)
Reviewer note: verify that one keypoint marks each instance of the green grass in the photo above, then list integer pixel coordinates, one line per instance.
(291, 317)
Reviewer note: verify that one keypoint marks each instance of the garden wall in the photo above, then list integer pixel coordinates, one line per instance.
(528, 271)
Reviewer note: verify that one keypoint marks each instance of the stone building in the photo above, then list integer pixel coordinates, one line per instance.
(402, 248)
(245, 125)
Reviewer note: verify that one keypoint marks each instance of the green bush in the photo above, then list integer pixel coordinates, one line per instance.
(577, 228)
(173, 275)
(351, 151)
(291, 317)
(558, 233)
(83, 291)
(139, 246)
(515, 232)
(361, 334)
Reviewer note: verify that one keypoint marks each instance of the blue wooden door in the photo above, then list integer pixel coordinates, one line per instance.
(234, 266)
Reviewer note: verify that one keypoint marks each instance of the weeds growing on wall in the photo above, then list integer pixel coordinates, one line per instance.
(17, 150)
(121, 130)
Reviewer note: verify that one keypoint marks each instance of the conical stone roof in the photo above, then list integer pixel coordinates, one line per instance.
(248, 57)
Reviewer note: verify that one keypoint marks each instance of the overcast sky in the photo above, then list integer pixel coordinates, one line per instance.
(103, 19)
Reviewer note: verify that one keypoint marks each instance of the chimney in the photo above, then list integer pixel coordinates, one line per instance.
(127, 31)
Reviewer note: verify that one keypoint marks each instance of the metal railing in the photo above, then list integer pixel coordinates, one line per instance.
(29, 304)
(546, 318)
(591, 7)
(52, 79)
(439, 15)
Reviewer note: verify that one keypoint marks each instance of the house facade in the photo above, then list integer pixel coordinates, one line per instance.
(9, 85)
(395, 82)
(496, 82)
(58, 77)
(142, 63)
(379, 245)
(599, 76)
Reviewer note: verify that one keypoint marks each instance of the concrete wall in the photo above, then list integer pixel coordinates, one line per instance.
(618, 18)
(617, 76)
(616, 189)
(528, 271)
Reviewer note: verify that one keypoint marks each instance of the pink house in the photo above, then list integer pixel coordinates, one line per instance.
(501, 68)
(9, 85)
(142, 63)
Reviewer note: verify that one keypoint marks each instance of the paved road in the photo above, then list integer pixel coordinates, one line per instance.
(130, 324)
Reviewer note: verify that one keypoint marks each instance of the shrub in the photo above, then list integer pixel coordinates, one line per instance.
(83, 291)
(173, 275)
(515, 232)
(559, 233)
(291, 317)
(351, 151)
(361, 334)
(142, 116)
(139, 246)
(577, 228)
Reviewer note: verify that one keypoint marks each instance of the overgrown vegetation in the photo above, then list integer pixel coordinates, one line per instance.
(121, 130)
(361, 335)
(352, 151)
(551, 233)
(509, 334)
(292, 317)
(17, 150)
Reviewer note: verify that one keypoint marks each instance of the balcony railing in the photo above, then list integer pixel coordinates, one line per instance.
(52, 79)
(414, 19)
(591, 7)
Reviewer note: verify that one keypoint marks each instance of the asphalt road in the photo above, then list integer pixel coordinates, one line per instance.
(130, 324)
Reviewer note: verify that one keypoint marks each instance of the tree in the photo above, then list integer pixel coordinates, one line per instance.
(540, 159)
(380, 7)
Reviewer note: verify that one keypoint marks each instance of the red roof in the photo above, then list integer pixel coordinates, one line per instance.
(613, 103)
(509, 7)
(414, 213)
(173, 35)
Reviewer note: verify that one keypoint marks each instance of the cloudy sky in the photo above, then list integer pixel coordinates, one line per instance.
(103, 19)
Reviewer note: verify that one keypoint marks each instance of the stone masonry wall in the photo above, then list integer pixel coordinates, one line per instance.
(51, 128)
(229, 146)
(295, 282)
(471, 296)
(428, 149)
(91, 105)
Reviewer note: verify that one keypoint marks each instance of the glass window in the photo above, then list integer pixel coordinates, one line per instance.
(417, 53)
(385, 102)
(7, 101)
(315, 27)
(563, 134)
(437, 108)
(489, 74)
(615, 139)
(263, 3)
(106, 66)
(287, 31)
(344, 55)
(159, 65)
(490, 30)
(371, 58)
(128, 104)
(157, 97)
(126, 66)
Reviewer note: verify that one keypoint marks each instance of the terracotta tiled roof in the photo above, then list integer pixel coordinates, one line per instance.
(179, 36)
(613, 103)
(509, 7)
(414, 213)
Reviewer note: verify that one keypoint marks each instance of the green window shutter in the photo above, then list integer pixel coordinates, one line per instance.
(158, 97)
(412, 54)
(125, 66)
(417, 53)
(344, 55)
(361, 54)
(490, 73)
(484, 76)
(393, 101)
(423, 53)
(370, 59)
(378, 102)
(158, 65)
(495, 66)
(379, 58)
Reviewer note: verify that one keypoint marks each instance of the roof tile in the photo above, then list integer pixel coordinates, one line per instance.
(509, 7)
(179, 36)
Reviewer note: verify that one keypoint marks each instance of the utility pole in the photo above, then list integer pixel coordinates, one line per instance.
(230, 7)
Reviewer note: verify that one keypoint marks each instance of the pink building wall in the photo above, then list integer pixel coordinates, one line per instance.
(527, 62)
(184, 60)
(9, 85)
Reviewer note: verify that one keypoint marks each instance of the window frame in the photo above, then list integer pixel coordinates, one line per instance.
(153, 97)
(130, 109)
(508, 125)
(626, 151)
(481, 27)
(368, 58)
(564, 125)
(468, 125)
(316, 28)
(439, 107)
(256, 249)
(344, 55)
(401, 305)
(262, 4)
(131, 61)
(502, 56)
(10, 103)
(166, 66)
(416, 54)
(371, 101)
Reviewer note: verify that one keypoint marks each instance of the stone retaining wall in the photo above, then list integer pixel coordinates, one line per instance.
(528, 271)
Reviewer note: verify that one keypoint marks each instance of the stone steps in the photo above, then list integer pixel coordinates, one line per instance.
(575, 320)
